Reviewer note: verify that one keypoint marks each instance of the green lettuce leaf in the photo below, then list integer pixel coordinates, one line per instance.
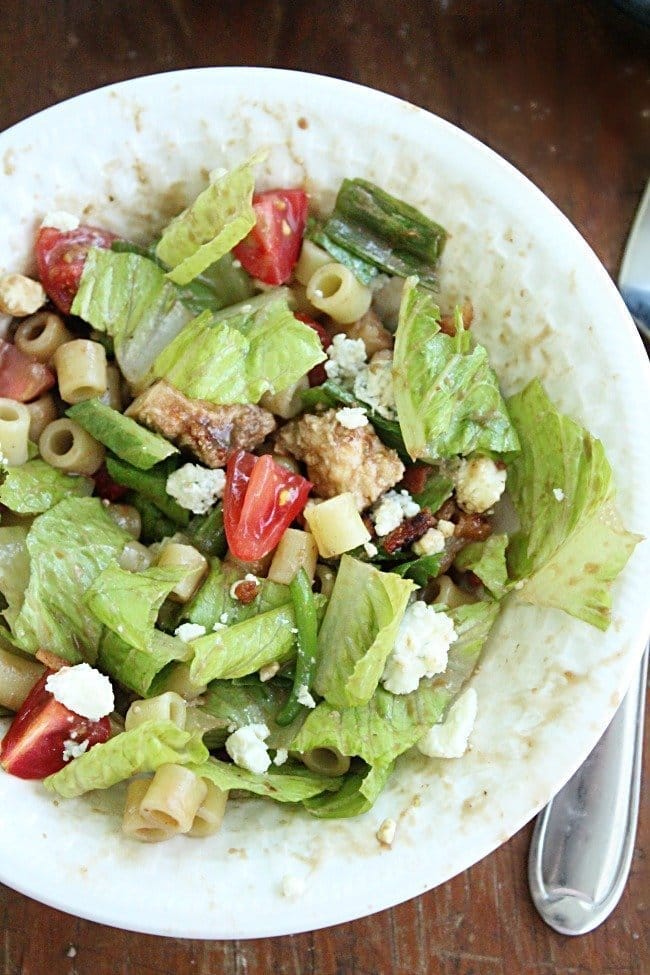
(289, 783)
(213, 599)
(447, 394)
(68, 548)
(127, 603)
(420, 570)
(436, 491)
(358, 632)
(14, 570)
(487, 560)
(390, 724)
(124, 436)
(128, 297)
(357, 795)
(36, 487)
(238, 358)
(142, 749)
(572, 543)
(219, 218)
(251, 702)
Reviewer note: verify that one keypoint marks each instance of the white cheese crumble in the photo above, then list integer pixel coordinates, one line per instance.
(446, 528)
(223, 619)
(60, 220)
(421, 648)
(304, 697)
(249, 577)
(20, 295)
(391, 510)
(269, 671)
(82, 689)
(520, 584)
(431, 543)
(450, 739)
(281, 756)
(219, 626)
(73, 749)
(247, 747)
(386, 832)
(352, 417)
(293, 887)
(558, 494)
(189, 631)
(374, 386)
(370, 549)
(196, 488)
(479, 484)
(345, 358)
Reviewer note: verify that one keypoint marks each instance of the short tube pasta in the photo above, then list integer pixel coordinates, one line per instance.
(451, 595)
(164, 707)
(14, 432)
(334, 289)
(296, 550)
(177, 678)
(81, 370)
(288, 402)
(209, 815)
(112, 395)
(17, 677)
(41, 335)
(133, 822)
(174, 555)
(311, 258)
(126, 517)
(326, 761)
(173, 798)
(135, 557)
(41, 412)
(66, 446)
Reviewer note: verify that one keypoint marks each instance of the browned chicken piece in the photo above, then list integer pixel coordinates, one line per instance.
(370, 330)
(208, 431)
(339, 459)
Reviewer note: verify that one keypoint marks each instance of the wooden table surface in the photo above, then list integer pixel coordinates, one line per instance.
(562, 89)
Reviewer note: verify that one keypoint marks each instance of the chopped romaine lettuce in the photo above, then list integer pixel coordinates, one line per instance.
(142, 749)
(422, 569)
(68, 548)
(236, 359)
(289, 783)
(14, 569)
(358, 632)
(128, 603)
(129, 297)
(357, 795)
(572, 544)
(251, 702)
(129, 440)
(36, 487)
(487, 560)
(447, 394)
(436, 491)
(218, 219)
(213, 599)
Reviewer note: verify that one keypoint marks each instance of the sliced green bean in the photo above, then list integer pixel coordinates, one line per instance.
(304, 609)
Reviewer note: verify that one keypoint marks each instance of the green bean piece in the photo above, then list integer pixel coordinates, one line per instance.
(304, 609)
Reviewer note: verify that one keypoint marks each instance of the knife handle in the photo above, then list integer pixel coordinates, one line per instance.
(583, 840)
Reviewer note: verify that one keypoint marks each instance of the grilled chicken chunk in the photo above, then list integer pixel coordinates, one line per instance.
(208, 431)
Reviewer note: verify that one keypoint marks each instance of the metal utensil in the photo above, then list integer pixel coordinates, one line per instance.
(583, 841)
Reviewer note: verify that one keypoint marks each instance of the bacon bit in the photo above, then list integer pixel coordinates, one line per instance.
(246, 591)
(409, 531)
(447, 324)
(415, 478)
(51, 660)
(370, 525)
(473, 528)
(448, 511)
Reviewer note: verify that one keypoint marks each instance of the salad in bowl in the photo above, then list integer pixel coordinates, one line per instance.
(308, 425)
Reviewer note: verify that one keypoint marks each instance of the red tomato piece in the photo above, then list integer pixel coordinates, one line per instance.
(260, 501)
(61, 255)
(21, 378)
(105, 486)
(33, 746)
(271, 249)
(317, 375)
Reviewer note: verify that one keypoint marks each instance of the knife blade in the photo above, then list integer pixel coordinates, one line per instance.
(583, 841)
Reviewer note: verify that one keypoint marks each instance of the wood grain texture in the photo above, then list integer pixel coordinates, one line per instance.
(563, 91)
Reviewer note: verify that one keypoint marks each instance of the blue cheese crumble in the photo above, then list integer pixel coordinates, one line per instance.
(421, 648)
(196, 488)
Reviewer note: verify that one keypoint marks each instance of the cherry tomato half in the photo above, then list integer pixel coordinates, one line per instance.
(61, 255)
(271, 249)
(260, 501)
(33, 746)
(317, 375)
(21, 378)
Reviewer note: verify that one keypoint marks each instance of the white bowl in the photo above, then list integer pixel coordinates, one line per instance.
(128, 157)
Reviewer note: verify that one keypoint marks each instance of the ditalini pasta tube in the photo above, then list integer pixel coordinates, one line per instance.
(134, 823)
(210, 813)
(14, 432)
(41, 412)
(81, 370)
(334, 289)
(66, 446)
(178, 556)
(17, 677)
(165, 707)
(41, 335)
(312, 257)
(173, 798)
(326, 761)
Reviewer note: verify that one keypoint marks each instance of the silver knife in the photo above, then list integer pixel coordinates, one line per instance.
(583, 841)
